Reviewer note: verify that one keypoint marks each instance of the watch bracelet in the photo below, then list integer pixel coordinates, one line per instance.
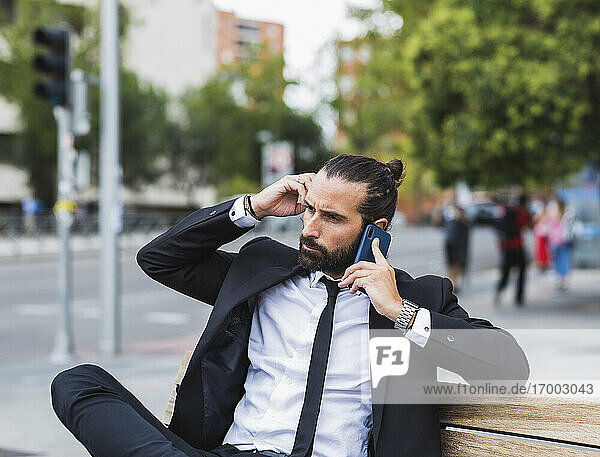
(407, 314)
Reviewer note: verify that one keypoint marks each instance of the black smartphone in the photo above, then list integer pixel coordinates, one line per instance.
(364, 250)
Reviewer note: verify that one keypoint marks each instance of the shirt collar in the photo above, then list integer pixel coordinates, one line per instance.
(315, 276)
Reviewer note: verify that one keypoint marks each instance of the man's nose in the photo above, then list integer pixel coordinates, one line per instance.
(311, 228)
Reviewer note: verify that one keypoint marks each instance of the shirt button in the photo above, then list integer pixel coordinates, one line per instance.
(300, 355)
(288, 380)
(450, 338)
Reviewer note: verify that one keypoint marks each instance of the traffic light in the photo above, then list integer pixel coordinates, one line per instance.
(56, 63)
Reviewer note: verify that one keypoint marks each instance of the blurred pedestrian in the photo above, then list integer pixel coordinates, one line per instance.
(561, 238)
(456, 244)
(541, 250)
(514, 220)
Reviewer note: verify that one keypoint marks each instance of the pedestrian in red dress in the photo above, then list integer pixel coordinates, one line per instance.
(541, 251)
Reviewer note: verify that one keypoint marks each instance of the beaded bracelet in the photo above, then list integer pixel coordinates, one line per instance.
(248, 207)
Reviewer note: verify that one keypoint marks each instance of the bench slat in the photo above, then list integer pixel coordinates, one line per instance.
(460, 444)
(563, 419)
(171, 403)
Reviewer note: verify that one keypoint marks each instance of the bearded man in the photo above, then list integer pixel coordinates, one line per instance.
(282, 367)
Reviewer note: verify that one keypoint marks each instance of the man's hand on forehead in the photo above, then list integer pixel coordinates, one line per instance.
(284, 197)
(306, 180)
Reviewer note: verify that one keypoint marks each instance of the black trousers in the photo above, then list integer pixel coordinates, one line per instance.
(513, 258)
(110, 422)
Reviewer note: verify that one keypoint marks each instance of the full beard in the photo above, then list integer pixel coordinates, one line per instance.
(333, 262)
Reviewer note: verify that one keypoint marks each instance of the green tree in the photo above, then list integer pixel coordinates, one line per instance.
(494, 92)
(223, 117)
(146, 133)
(147, 136)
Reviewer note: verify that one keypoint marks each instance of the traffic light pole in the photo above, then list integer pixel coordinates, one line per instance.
(66, 91)
(64, 347)
(110, 218)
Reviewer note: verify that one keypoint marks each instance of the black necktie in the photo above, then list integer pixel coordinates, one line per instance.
(307, 426)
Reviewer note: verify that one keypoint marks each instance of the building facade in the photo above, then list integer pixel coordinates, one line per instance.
(173, 44)
(238, 38)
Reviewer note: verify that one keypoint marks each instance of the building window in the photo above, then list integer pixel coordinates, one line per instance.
(247, 26)
(347, 85)
(364, 53)
(346, 54)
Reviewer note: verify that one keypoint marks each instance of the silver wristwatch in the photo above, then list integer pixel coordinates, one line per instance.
(406, 314)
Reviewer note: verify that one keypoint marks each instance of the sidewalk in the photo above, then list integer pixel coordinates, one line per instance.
(550, 326)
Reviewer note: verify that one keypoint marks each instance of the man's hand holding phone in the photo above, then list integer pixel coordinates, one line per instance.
(284, 197)
(379, 282)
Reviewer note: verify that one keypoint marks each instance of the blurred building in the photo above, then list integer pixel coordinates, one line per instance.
(9, 114)
(176, 44)
(173, 44)
(238, 38)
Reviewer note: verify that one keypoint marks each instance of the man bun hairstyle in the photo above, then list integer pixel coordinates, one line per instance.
(396, 168)
(381, 179)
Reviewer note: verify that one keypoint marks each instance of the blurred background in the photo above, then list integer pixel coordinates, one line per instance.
(494, 106)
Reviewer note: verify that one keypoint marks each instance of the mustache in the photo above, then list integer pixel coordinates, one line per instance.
(311, 243)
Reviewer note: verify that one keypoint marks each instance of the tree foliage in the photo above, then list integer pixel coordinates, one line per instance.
(215, 139)
(492, 92)
(223, 118)
(36, 150)
(145, 129)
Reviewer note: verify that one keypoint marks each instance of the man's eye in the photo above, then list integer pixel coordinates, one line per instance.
(333, 218)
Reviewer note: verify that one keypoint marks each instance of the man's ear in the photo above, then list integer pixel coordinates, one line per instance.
(381, 223)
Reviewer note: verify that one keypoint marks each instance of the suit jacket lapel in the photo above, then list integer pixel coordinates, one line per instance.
(250, 275)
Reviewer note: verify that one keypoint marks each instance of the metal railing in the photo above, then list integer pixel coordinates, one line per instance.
(18, 225)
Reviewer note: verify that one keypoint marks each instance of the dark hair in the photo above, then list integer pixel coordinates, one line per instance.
(382, 180)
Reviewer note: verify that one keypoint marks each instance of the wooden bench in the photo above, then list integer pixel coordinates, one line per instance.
(524, 426)
(527, 425)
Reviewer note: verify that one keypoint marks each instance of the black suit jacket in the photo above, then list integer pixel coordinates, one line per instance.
(187, 258)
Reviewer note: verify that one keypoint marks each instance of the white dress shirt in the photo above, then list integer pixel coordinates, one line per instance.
(281, 336)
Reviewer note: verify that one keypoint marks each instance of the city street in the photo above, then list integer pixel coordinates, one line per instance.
(155, 318)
